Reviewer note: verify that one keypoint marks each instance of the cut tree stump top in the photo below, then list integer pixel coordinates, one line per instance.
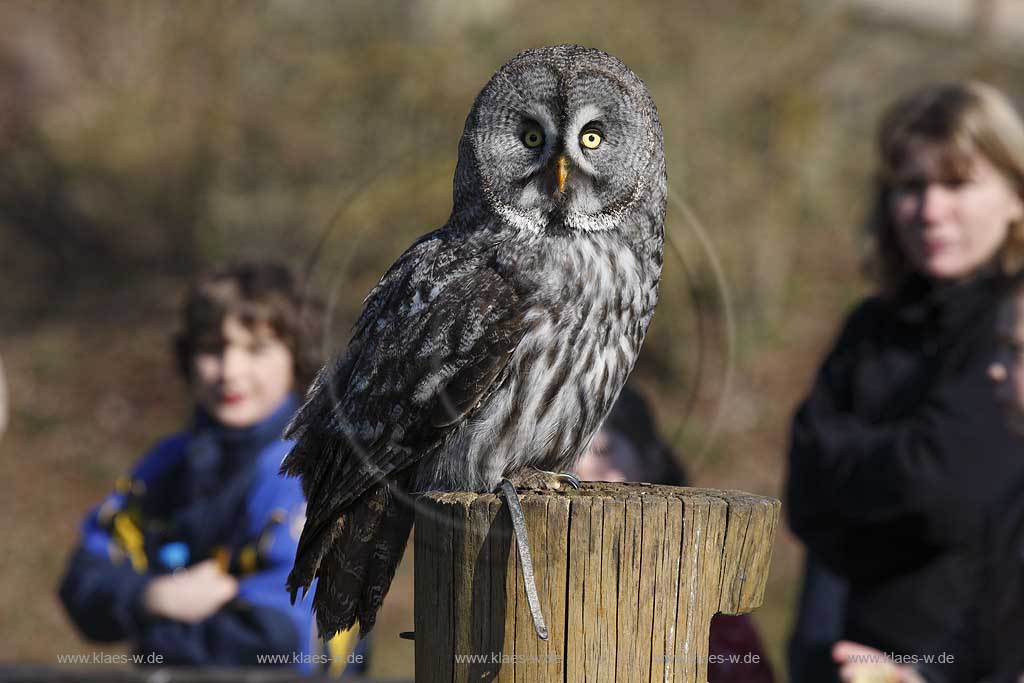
(629, 577)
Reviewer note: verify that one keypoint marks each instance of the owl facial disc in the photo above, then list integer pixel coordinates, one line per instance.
(560, 139)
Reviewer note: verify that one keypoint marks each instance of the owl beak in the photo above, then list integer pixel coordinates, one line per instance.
(561, 172)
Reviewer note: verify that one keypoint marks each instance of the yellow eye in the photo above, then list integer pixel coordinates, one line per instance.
(533, 138)
(591, 139)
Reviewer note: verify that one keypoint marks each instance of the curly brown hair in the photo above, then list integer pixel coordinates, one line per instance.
(257, 293)
(963, 119)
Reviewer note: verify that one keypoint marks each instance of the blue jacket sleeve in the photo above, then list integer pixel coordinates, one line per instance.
(101, 589)
(102, 596)
(237, 635)
(260, 625)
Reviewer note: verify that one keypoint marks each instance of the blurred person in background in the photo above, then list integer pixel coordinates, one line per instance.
(187, 559)
(900, 445)
(627, 448)
(818, 624)
(986, 645)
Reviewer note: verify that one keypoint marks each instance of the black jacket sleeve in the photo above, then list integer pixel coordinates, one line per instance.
(967, 654)
(873, 498)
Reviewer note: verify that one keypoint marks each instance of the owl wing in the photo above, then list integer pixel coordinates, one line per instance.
(432, 341)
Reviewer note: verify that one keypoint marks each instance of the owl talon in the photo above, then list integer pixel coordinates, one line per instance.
(515, 510)
(542, 480)
(569, 478)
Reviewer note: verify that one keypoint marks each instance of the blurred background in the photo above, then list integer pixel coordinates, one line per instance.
(141, 141)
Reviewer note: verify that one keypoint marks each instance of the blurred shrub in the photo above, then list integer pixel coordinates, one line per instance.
(143, 138)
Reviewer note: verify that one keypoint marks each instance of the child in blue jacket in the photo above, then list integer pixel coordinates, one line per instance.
(187, 559)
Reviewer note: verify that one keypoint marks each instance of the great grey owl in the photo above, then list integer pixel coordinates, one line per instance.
(499, 341)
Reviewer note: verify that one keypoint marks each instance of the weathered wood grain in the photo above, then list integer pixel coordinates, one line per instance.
(629, 577)
(627, 633)
(434, 587)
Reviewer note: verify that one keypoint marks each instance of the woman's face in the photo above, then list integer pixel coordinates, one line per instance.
(950, 228)
(245, 380)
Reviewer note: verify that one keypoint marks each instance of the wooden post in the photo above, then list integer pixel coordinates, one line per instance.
(629, 576)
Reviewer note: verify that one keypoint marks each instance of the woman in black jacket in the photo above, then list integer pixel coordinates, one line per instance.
(986, 645)
(900, 446)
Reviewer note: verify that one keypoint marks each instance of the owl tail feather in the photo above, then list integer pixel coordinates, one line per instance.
(357, 565)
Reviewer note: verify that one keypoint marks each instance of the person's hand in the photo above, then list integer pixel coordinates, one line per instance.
(190, 595)
(862, 664)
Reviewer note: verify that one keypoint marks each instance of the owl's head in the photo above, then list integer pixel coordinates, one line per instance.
(561, 138)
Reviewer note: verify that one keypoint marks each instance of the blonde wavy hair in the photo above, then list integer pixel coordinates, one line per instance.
(963, 119)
